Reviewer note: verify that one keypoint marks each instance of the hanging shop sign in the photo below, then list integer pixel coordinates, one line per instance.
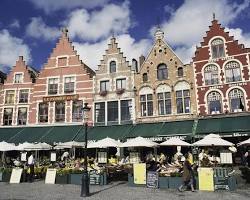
(61, 98)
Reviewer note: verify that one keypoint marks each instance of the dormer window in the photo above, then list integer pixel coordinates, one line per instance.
(217, 46)
(18, 78)
(112, 66)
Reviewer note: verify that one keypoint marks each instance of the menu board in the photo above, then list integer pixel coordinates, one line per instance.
(102, 157)
(152, 179)
(226, 158)
(50, 176)
(53, 157)
(16, 175)
(23, 156)
(206, 179)
(139, 173)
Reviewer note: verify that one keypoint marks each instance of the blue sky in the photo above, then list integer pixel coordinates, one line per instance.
(31, 27)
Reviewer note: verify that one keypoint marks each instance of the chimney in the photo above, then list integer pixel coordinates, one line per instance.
(134, 65)
(141, 60)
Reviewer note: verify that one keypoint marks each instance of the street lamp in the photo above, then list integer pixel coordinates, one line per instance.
(85, 177)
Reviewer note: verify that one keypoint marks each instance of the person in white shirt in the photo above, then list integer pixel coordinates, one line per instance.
(31, 163)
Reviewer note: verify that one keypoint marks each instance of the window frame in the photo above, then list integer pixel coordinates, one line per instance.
(24, 121)
(240, 96)
(6, 97)
(20, 93)
(20, 80)
(112, 66)
(122, 83)
(209, 71)
(217, 47)
(165, 98)
(229, 67)
(77, 113)
(106, 83)
(44, 118)
(182, 99)
(146, 105)
(56, 83)
(162, 72)
(70, 89)
(218, 98)
(9, 119)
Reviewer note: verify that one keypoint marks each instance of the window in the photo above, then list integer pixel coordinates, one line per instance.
(69, 84)
(77, 111)
(217, 46)
(146, 102)
(112, 66)
(162, 72)
(180, 71)
(126, 110)
(59, 111)
(18, 78)
(22, 116)
(53, 86)
(100, 112)
(164, 103)
(183, 101)
(211, 75)
(43, 112)
(7, 116)
(145, 77)
(62, 61)
(121, 84)
(10, 96)
(113, 111)
(214, 103)
(236, 100)
(232, 70)
(104, 86)
(23, 96)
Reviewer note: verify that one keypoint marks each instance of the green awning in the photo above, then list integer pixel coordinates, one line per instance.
(7, 133)
(226, 126)
(177, 128)
(100, 132)
(61, 134)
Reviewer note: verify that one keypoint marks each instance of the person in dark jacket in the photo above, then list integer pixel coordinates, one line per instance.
(188, 175)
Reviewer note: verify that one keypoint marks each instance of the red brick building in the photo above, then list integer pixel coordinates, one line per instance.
(221, 69)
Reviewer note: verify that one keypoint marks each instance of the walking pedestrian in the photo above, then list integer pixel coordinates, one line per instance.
(31, 164)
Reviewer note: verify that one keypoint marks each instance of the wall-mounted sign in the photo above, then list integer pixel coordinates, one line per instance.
(61, 98)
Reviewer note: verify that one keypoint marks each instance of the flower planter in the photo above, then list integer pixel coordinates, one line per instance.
(120, 91)
(6, 176)
(174, 182)
(163, 181)
(103, 93)
(75, 179)
(62, 179)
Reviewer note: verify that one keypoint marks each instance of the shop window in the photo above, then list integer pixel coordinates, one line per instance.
(43, 112)
(7, 116)
(211, 75)
(112, 66)
(164, 103)
(18, 78)
(162, 72)
(69, 84)
(183, 101)
(59, 111)
(214, 102)
(100, 112)
(146, 104)
(126, 110)
(217, 46)
(236, 99)
(10, 97)
(53, 86)
(22, 116)
(232, 70)
(77, 111)
(23, 96)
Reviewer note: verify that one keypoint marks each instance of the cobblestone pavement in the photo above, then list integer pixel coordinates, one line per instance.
(114, 191)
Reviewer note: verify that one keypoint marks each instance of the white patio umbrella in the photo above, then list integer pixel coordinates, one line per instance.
(69, 145)
(21, 147)
(105, 143)
(212, 140)
(5, 146)
(246, 142)
(139, 142)
(37, 146)
(175, 142)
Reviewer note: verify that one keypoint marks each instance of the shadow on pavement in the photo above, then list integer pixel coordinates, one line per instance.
(115, 185)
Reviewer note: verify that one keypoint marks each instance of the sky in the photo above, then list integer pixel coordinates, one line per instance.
(31, 28)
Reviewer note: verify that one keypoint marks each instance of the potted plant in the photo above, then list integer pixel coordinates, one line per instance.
(75, 176)
(103, 93)
(120, 91)
(175, 180)
(62, 176)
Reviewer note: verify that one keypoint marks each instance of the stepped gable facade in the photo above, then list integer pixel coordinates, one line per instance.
(221, 69)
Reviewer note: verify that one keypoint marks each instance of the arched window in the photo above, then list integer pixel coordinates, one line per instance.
(214, 102)
(112, 66)
(211, 75)
(217, 46)
(162, 72)
(236, 100)
(180, 71)
(145, 77)
(232, 70)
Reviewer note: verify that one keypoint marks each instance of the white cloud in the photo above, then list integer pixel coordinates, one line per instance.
(99, 24)
(15, 24)
(54, 5)
(11, 48)
(244, 38)
(91, 54)
(189, 23)
(38, 29)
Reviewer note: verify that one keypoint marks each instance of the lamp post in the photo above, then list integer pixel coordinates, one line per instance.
(85, 177)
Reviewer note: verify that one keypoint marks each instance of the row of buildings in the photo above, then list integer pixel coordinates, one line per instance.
(156, 88)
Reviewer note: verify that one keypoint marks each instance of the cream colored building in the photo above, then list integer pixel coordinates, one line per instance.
(114, 89)
(164, 85)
